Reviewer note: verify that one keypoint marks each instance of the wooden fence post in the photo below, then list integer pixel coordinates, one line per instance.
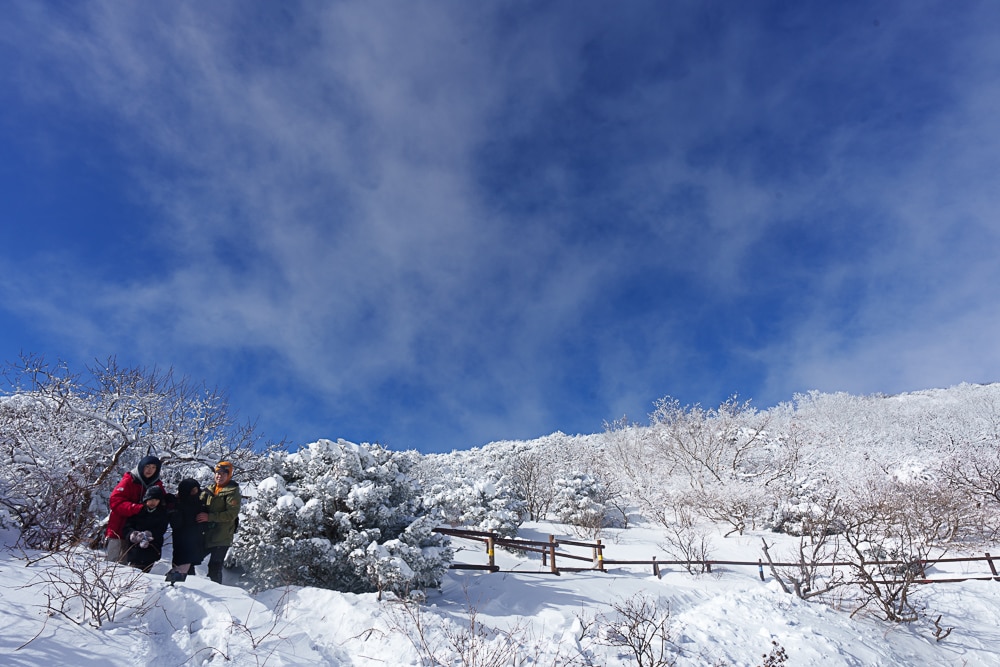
(599, 556)
(656, 568)
(552, 554)
(760, 568)
(989, 559)
(490, 546)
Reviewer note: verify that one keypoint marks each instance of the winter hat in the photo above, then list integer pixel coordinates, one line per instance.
(153, 492)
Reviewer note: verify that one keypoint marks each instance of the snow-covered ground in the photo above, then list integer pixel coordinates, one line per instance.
(728, 617)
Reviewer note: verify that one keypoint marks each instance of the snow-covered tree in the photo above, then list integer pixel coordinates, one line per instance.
(477, 504)
(580, 501)
(531, 470)
(465, 492)
(712, 446)
(342, 516)
(66, 439)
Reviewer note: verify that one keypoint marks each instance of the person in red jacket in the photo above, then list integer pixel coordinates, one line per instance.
(126, 501)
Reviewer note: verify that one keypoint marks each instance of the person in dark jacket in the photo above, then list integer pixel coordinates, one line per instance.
(144, 530)
(188, 533)
(126, 501)
(223, 502)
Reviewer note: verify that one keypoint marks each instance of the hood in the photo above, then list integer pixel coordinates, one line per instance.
(184, 497)
(184, 488)
(143, 462)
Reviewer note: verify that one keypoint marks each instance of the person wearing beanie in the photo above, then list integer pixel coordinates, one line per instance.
(145, 529)
(127, 501)
(222, 502)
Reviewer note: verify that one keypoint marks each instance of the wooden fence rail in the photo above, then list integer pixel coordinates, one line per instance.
(550, 552)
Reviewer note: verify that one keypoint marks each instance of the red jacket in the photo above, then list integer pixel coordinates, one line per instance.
(126, 501)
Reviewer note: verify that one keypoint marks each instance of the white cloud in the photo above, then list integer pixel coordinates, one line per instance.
(316, 192)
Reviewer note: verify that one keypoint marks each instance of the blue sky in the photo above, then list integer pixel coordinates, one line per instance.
(438, 224)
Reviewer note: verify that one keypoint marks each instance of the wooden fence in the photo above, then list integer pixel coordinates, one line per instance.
(553, 552)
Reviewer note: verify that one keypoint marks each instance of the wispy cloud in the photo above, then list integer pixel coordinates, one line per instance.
(467, 221)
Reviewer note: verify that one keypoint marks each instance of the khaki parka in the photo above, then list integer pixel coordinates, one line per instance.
(223, 509)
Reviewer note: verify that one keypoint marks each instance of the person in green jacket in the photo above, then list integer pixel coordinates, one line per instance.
(222, 501)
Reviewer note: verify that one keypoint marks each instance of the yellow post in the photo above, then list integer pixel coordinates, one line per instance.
(599, 555)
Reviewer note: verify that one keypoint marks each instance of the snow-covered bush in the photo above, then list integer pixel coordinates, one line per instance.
(342, 516)
(740, 503)
(685, 539)
(706, 447)
(532, 466)
(580, 501)
(640, 626)
(87, 589)
(468, 489)
(807, 506)
(486, 504)
(720, 462)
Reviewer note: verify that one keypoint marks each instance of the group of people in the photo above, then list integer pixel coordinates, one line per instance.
(202, 521)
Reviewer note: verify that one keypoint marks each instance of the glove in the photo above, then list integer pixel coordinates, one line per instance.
(142, 538)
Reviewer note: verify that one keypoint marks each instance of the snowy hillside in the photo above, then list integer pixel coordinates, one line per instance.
(859, 501)
(728, 617)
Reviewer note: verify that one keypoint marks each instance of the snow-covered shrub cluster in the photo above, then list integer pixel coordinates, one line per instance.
(476, 504)
(580, 502)
(469, 489)
(342, 516)
(533, 467)
(722, 464)
(804, 462)
(498, 486)
(805, 504)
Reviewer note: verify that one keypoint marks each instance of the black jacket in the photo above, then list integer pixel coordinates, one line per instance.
(189, 535)
(155, 521)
